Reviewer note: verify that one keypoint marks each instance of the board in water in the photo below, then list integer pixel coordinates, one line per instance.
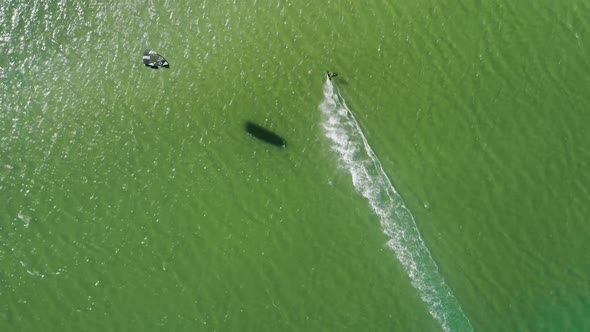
(154, 60)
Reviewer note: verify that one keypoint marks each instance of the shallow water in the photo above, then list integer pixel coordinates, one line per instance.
(135, 198)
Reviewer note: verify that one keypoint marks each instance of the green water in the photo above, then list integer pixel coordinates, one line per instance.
(133, 199)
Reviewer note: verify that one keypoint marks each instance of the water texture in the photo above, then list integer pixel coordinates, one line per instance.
(139, 199)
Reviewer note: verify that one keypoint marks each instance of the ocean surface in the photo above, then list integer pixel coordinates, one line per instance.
(441, 182)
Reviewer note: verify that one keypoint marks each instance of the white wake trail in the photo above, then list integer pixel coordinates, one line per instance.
(369, 179)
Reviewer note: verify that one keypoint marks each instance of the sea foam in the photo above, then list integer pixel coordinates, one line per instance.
(371, 181)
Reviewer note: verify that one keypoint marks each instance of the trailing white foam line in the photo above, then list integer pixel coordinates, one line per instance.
(369, 179)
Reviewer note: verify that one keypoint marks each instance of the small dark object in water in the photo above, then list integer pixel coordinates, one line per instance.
(265, 135)
(330, 75)
(154, 60)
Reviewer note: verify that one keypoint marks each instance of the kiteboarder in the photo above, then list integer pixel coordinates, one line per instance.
(330, 75)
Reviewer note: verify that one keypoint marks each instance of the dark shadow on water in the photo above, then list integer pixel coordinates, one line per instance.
(265, 135)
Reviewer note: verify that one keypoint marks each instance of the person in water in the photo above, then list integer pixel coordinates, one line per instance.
(330, 75)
